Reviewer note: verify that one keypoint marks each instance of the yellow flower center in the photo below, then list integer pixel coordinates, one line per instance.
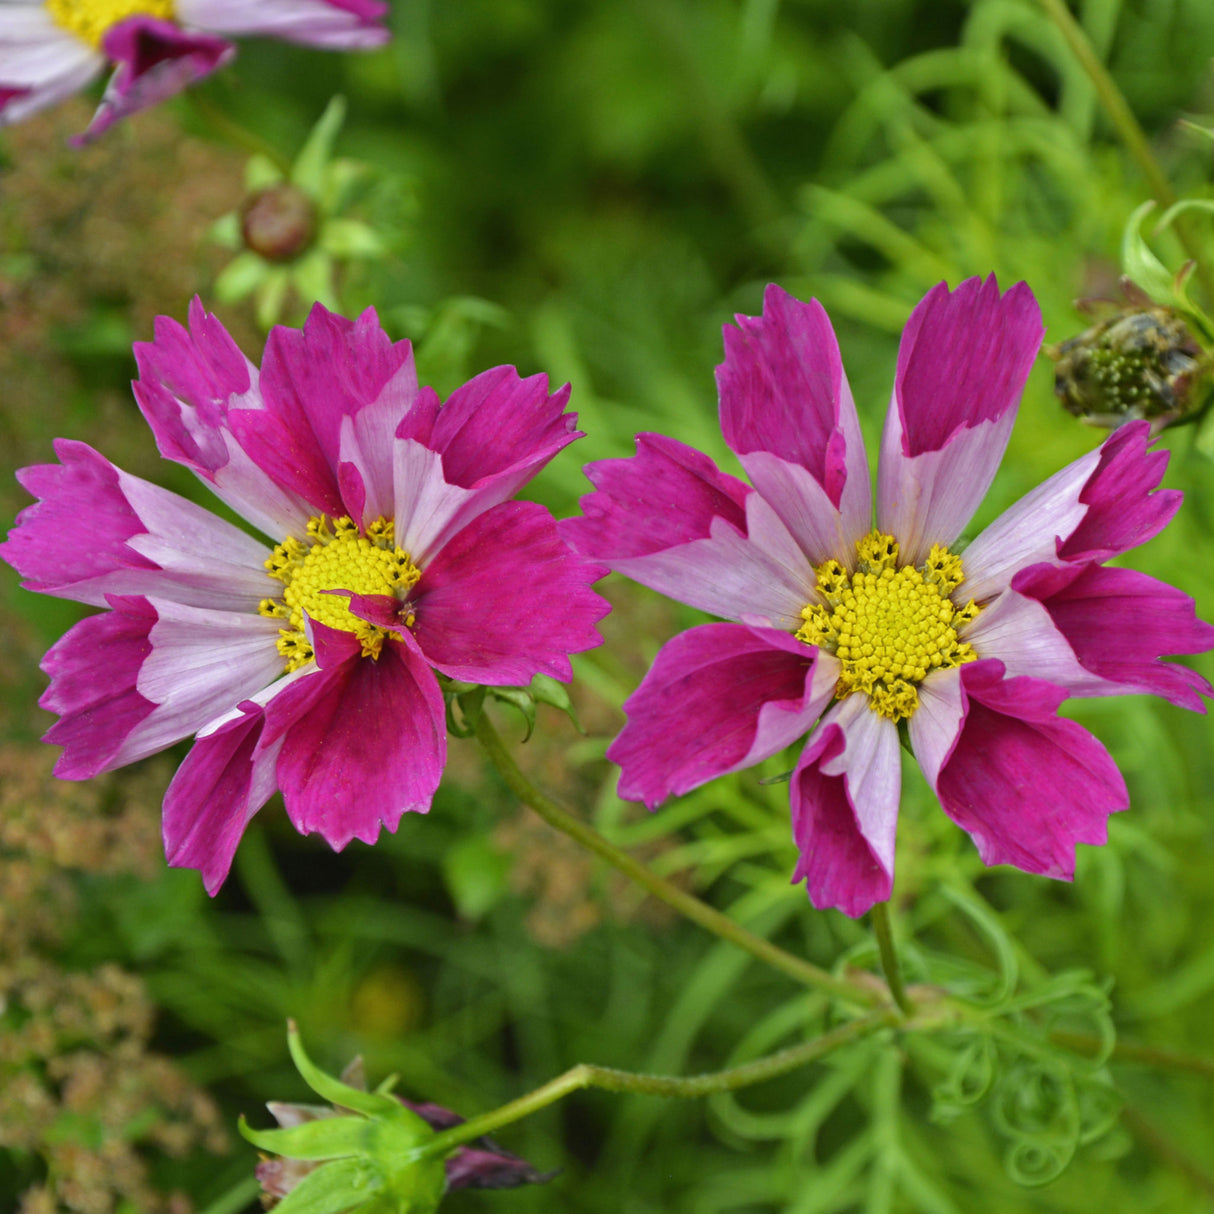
(889, 627)
(336, 556)
(89, 19)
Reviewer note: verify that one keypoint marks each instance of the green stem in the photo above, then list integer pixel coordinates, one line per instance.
(608, 1079)
(677, 899)
(1127, 126)
(889, 957)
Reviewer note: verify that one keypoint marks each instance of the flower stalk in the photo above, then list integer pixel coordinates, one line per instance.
(889, 958)
(685, 904)
(608, 1079)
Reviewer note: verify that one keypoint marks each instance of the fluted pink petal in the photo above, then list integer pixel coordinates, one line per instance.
(312, 379)
(141, 539)
(188, 380)
(845, 794)
(496, 425)
(784, 394)
(44, 546)
(224, 780)
(507, 599)
(1104, 503)
(1019, 632)
(333, 24)
(935, 724)
(1025, 784)
(666, 495)
(962, 364)
(363, 742)
(718, 698)
(94, 668)
(1121, 624)
(154, 60)
(1125, 507)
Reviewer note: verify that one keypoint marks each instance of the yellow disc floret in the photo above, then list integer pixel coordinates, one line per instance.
(89, 19)
(336, 556)
(889, 626)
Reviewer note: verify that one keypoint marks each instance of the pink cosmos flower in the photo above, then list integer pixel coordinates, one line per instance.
(307, 663)
(50, 49)
(872, 632)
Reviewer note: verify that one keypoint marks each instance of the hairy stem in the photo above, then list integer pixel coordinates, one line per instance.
(608, 1079)
(889, 957)
(686, 904)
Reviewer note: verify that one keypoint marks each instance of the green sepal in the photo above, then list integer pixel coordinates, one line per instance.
(548, 691)
(260, 172)
(416, 1189)
(372, 1104)
(350, 238)
(522, 699)
(344, 1184)
(240, 277)
(308, 170)
(324, 1138)
(1139, 263)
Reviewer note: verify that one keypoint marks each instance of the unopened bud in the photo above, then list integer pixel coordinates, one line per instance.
(1141, 362)
(278, 223)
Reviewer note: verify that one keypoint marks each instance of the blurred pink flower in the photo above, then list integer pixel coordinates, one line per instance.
(50, 49)
(310, 666)
(868, 632)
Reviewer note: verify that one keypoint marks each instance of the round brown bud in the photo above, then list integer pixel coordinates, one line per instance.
(278, 223)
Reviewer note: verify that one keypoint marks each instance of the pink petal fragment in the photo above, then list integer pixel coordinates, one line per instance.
(718, 698)
(500, 425)
(333, 24)
(311, 379)
(506, 599)
(783, 392)
(224, 780)
(363, 742)
(962, 365)
(1123, 508)
(1027, 785)
(45, 547)
(1121, 624)
(188, 381)
(94, 668)
(845, 795)
(666, 495)
(155, 60)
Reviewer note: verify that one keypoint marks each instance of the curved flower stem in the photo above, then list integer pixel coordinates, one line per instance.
(686, 904)
(1128, 128)
(889, 957)
(608, 1079)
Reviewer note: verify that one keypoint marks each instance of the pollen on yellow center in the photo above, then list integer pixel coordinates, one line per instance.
(336, 556)
(889, 626)
(89, 19)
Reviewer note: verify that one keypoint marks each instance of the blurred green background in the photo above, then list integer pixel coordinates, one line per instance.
(591, 190)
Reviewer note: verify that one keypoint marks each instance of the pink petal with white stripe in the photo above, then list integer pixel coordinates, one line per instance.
(1026, 785)
(154, 60)
(1103, 504)
(845, 794)
(363, 741)
(666, 495)
(224, 780)
(718, 698)
(506, 599)
(787, 411)
(962, 365)
(335, 24)
(188, 381)
(1121, 624)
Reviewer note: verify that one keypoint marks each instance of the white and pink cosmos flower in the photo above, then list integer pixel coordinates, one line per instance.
(310, 663)
(861, 634)
(50, 49)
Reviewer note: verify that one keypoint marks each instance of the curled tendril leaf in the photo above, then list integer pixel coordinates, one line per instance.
(968, 1081)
